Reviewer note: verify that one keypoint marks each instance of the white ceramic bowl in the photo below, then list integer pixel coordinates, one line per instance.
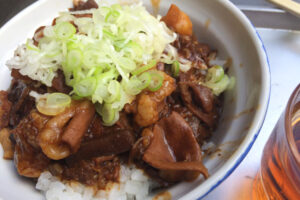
(216, 22)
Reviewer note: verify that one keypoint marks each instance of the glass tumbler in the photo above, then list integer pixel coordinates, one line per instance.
(279, 175)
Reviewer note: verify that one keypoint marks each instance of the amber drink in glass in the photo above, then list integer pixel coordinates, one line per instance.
(279, 176)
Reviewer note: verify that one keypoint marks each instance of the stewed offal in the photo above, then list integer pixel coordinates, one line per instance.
(108, 88)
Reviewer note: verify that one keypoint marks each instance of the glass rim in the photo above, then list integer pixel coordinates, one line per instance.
(288, 124)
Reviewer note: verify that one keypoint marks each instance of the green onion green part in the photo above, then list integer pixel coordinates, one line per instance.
(140, 70)
(156, 81)
(175, 68)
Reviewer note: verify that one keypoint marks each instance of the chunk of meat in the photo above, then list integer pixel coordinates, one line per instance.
(22, 103)
(18, 76)
(178, 20)
(174, 150)
(5, 107)
(189, 48)
(147, 111)
(58, 83)
(27, 81)
(150, 104)
(38, 35)
(84, 5)
(94, 172)
(29, 159)
(110, 144)
(8, 147)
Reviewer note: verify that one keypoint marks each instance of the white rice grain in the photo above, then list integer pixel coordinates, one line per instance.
(134, 185)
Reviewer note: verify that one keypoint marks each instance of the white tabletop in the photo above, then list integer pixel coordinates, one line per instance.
(283, 48)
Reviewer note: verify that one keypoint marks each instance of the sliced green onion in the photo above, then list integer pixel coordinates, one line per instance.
(108, 34)
(74, 59)
(140, 70)
(113, 14)
(119, 44)
(116, 6)
(90, 59)
(132, 87)
(64, 30)
(53, 104)
(145, 79)
(232, 81)
(214, 74)
(78, 74)
(134, 48)
(220, 86)
(156, 81)
(76, 97)
(109, 115)
(74, 45)
(100, 93)
(58, 99)
(114, 91)
(31, 46)
(85, 87)
(106, 76)
(126, 63)
(175, 68)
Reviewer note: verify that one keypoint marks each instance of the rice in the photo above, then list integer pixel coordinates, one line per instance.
(134, 185)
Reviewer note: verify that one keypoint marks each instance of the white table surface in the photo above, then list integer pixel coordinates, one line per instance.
(283, 48)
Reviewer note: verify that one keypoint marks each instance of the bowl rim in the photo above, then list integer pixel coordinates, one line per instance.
(235, 159)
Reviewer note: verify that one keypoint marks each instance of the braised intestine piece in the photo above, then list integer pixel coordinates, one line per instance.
(149, 103)
(62, 134)
(174, 150)
(78, 126)
(198, 99)
(50, 137)
(178, 20)
(111, 144)
(28, 157)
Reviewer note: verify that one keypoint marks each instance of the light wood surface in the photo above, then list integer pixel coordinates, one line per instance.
(288, 5)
